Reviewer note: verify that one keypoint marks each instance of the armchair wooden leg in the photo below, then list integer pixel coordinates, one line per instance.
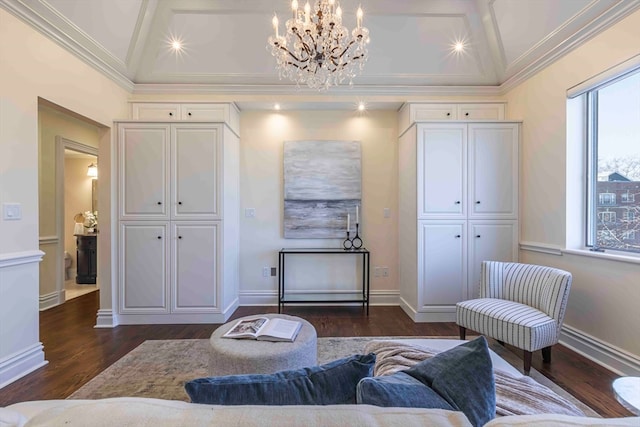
(546, 354)
(527, 362)
(463, 332)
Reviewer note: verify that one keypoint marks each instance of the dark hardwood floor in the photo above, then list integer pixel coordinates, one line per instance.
(77, 351)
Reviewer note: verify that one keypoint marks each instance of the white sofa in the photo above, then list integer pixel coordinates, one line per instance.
(131, 411)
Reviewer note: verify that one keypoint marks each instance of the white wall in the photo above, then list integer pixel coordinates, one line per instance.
(261, 187)
(32, 66)
(603, 304)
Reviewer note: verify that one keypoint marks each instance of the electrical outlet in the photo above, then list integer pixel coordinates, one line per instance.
(274, 272)
(376, 271)
(265, 271)
(250, 213)
(386, 212)
(385, 271)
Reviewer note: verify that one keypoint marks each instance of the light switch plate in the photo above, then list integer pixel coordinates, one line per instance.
(11, 211)
(250, 213)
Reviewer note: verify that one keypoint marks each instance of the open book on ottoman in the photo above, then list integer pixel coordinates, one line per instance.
(261, 328)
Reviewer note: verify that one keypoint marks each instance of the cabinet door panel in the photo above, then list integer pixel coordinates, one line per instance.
(143, 152)
(490, 241)
(434, 112)
(442, 258)
(196, 267)
(481, 112)
(493, 171)
(205, 112)
(442, 171)
(155, 111)
(143, 268)
(196, 171)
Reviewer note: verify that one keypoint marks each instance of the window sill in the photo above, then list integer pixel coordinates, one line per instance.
(609, 255)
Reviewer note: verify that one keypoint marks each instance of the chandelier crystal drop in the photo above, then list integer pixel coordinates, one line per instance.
(316, 49)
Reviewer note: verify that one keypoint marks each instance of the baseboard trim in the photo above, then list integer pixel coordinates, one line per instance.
(609, 356)
(105, 319)
(50, 300)
(377, 297)
(429, 314)
(20, 364)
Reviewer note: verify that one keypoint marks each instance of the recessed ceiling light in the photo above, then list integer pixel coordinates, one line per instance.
(175, 44)
(276, 106)
(361, 106)
(458, 47)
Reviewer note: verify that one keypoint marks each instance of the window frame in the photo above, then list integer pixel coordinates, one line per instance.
(592, 197)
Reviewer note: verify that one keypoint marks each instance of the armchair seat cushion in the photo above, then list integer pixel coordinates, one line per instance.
(517, 324)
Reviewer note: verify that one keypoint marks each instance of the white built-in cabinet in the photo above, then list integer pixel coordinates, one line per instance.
(458, 204)
(178, 222)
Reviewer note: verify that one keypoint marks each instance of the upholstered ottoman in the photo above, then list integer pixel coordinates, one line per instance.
(229, 356)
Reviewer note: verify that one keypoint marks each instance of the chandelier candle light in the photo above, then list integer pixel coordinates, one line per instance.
(316, 49)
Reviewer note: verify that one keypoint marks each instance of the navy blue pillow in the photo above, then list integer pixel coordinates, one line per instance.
(329, 384)
(399, 390)
(459, 379)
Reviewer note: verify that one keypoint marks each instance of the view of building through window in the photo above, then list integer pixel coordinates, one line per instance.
(616, 200)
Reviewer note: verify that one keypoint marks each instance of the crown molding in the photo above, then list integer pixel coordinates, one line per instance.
(601, 23)
(42, 25)
(346, 90)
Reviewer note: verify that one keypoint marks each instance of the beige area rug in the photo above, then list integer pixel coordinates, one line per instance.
(159, 368)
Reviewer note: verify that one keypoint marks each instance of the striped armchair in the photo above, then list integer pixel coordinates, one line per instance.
(520, 304)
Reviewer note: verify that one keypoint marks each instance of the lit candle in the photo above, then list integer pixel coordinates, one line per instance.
(357, 216)
(274, 21)
(294, 8)
(359, 17)
(348, 222)
(307, 12)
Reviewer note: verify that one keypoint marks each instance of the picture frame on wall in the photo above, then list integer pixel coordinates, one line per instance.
(322, 184)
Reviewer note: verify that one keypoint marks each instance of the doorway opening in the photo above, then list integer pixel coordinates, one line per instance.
(77, 216)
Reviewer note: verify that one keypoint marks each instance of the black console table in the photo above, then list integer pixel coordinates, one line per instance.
(358, 295)
(86, 259)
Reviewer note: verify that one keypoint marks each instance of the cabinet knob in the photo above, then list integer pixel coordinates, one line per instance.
(457, 236)
(159, 237)
(179, 203)
(159, 203)
(457, 202)
(448, 114)
(170, 113)
(179, 237)
(477, 202)
(466, 114)
(189, 113)
(477, 236)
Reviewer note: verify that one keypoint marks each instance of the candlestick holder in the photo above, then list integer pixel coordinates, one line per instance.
(347, 244)
(356, 242)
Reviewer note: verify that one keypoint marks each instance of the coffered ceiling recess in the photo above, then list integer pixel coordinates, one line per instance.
(411, 49)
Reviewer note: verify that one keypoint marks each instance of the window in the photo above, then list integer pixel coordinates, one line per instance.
(627, 197)
(613, 164)
(607, 216)
(607, 198)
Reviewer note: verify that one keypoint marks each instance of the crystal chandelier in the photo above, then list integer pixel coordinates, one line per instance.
(317, 50)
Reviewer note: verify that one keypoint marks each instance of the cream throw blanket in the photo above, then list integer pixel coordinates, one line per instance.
(514, 396)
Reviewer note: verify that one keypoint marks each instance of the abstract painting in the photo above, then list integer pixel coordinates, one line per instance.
(322, 184)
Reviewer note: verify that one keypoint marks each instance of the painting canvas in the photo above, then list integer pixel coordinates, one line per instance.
(322, 183)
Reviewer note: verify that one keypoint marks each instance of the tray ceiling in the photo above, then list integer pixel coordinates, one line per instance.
(410, 52)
